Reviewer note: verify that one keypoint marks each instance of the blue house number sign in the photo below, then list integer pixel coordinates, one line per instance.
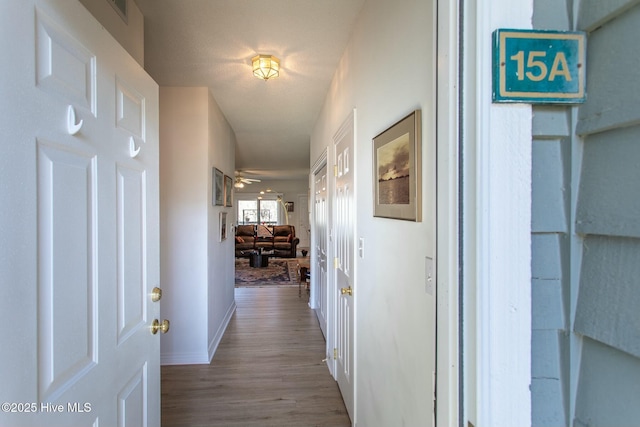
(539, 66)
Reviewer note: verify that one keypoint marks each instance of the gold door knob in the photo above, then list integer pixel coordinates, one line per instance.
(156, 294)
(162, 327)
(346, 291)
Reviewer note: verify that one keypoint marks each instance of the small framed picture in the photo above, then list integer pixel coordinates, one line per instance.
(223, 226)
(228, 191)
(396, 170)
(121, 8)
(217, 186)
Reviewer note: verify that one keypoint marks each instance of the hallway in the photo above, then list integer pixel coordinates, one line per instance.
(267, 370)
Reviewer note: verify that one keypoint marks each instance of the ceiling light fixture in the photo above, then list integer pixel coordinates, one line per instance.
(241, 181)
(265, 66)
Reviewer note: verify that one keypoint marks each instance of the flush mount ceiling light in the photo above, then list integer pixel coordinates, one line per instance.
(265, 66)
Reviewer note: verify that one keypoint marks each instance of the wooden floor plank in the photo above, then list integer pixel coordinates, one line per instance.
(267, 371)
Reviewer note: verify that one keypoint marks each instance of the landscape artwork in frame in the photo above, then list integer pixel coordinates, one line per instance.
(217, 188)
(397, 170)
(228, 191)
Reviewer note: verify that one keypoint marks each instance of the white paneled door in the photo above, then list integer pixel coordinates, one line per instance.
(343, 224)
(320, 252)
(79, 221)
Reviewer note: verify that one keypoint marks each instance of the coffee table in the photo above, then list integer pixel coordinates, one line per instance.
(258, 259)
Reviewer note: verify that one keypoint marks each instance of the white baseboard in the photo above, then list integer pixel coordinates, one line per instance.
(200, 358)
(184, 359)
(215, 341)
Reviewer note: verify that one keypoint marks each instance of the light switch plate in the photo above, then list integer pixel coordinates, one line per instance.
(361, 247)
(430, 275)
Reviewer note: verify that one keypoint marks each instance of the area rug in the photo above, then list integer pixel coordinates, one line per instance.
(279, 273)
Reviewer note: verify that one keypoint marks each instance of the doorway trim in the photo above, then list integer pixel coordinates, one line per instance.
(495, 227)
(448, 321)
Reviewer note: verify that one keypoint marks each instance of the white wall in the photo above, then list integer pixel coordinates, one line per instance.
(221, 280)
(387, 71)
(196, 269)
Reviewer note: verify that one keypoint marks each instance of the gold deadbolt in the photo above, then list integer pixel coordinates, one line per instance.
(156, 294)
(346, 291)
(162, 327)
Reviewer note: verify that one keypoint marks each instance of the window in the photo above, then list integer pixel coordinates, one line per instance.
(247, 211)
(258, 211)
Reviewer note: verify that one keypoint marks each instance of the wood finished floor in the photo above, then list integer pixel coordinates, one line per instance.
(267, 371)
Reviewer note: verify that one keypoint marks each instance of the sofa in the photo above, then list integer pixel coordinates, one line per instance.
(280, 240)
(245, 239)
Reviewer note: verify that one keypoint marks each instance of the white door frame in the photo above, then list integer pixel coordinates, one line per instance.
(491, 385)
(495, 142)
(447, 241)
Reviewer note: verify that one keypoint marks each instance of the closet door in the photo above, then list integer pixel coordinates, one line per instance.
(344, 265)
(320, 255)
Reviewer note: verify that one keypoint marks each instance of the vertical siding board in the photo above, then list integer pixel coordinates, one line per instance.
(546, 408)
(546, 261)
(548, 267)
(546, 298)
(551, 14)
(548, 187)
(544, 364)
(551, 122)
(550, 264)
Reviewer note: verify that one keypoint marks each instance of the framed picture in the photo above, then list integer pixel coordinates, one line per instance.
(223, 226)
(217, 186)
(289, 206)
(397, 170)
(121, 7)
(228, 191)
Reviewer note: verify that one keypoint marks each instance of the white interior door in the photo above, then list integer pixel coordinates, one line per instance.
(80, 253)
(319, 269)
(343, 223)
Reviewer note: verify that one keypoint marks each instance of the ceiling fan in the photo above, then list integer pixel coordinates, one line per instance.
(241, 181)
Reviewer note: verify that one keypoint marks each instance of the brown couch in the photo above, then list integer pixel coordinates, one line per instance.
(279, 239)
(245, 239)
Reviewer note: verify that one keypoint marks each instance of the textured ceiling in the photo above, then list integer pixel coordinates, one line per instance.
(211, 43)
